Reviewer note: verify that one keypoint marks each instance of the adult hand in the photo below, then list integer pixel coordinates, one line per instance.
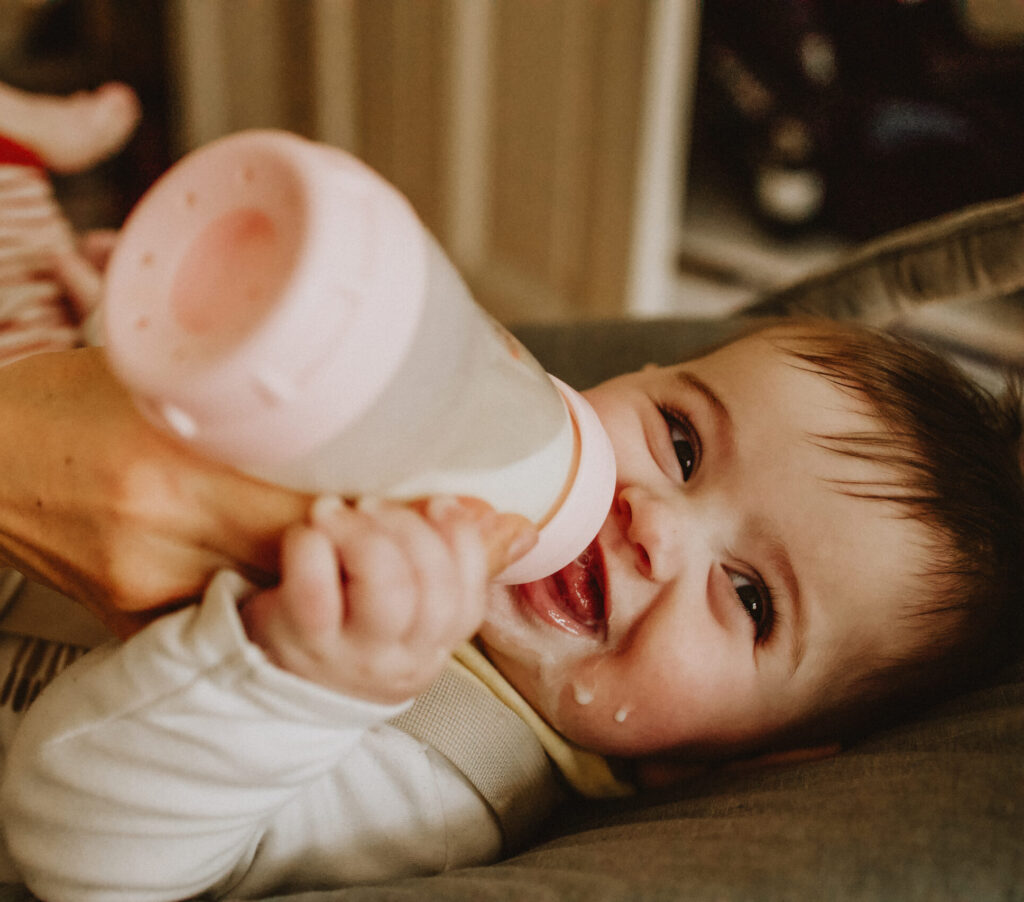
(100, 505)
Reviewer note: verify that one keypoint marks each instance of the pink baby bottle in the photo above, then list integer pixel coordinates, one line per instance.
(278, 306)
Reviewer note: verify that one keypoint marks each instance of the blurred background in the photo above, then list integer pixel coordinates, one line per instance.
(577, 158)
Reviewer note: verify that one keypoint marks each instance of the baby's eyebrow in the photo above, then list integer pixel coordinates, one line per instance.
(724, 434)
(691, 380)
(724, 424)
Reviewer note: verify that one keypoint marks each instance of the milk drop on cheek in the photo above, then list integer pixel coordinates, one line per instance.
(621, 715)
(582, 695)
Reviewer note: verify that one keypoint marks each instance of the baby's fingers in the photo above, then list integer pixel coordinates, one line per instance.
(401, 578)
(306, 608)
(505, 537)
(374, 597)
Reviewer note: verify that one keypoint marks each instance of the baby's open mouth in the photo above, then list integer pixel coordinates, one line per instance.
(574, 597)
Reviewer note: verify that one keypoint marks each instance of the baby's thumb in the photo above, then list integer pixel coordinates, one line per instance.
(507, 538)
(306, 604)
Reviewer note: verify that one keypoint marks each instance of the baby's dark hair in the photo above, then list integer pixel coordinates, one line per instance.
(953, 450)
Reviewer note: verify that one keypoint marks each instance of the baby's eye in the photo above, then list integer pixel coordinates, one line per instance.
(756, 601)
(684, 442)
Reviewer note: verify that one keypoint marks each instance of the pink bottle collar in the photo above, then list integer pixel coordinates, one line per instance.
(585, 505)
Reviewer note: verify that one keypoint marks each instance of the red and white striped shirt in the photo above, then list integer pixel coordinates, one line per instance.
(35, 311)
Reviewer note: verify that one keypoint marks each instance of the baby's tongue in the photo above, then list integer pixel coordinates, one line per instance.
(582, 587)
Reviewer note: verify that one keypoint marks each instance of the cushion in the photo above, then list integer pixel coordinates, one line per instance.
(930, 811)
(956, 282)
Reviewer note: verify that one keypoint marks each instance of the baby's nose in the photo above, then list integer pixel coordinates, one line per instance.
(650, 530)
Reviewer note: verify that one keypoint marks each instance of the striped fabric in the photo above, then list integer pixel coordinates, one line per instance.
(35, 314)
(28, 665)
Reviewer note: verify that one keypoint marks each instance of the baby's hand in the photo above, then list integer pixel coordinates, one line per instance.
(373, 598)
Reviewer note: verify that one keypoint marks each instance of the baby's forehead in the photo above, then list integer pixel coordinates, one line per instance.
(780, 362)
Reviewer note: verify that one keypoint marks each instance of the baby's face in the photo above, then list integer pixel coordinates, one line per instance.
(733, 583)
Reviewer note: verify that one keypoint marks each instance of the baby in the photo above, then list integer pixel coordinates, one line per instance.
(815, 527)
(49, 278)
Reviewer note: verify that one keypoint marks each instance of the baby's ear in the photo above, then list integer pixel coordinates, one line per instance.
(656, 773)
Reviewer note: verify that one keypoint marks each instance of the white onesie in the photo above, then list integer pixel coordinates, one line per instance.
(183, 761)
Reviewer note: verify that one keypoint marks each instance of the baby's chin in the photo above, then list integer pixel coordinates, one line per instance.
(539, 661)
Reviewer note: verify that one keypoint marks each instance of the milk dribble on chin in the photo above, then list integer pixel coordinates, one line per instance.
(506, 629)
(365, 368)
(560, 657)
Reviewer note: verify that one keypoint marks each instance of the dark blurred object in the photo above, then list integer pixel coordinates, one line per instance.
(863, 115)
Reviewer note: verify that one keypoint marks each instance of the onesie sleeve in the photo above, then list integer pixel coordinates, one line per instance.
(149, 769)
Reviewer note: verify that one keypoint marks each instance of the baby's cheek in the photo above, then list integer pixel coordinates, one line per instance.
(598, 711)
